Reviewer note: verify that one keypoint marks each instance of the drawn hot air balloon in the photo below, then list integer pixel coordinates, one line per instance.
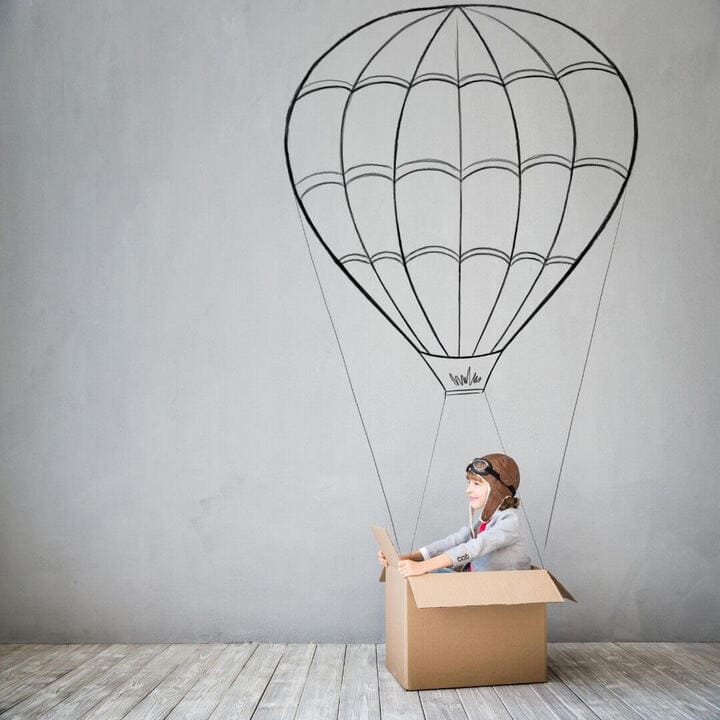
(457, 163)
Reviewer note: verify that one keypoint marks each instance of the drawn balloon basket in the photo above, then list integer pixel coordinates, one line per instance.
(457, 163)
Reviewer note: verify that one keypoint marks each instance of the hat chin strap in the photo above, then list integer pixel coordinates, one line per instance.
(471, 514)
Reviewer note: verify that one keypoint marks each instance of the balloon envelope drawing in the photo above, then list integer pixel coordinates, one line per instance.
(457, 163)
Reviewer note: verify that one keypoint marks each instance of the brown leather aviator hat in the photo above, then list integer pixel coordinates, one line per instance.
(502, 474)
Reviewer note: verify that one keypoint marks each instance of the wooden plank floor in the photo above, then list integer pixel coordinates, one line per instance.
(270, 681)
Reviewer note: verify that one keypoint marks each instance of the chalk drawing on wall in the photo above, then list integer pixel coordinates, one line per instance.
(457, 163)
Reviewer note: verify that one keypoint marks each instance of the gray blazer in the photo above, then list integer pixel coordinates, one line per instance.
(498, 547)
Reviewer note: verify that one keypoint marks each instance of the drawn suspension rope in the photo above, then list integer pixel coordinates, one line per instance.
(386, 122)
(442, 409)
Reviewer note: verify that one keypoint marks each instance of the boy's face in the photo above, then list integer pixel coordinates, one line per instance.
(477, 491)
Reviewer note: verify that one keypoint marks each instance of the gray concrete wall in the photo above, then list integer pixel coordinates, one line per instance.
(181, 457)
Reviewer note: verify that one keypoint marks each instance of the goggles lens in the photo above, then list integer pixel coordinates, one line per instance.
(479, 466)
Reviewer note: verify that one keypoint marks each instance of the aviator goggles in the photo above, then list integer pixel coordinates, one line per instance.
(481, 466)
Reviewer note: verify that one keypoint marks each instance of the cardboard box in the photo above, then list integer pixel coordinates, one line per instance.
(445, 630)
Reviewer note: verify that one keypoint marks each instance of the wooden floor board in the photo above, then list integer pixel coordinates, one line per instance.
(563, 701)
(129, 693)
(97, 688)
(16, 654)
(282, 694)
(396, 703)
(640, 685)
(663, 660)
(597, 696)
(524, 703)
(171, 690)
(35, 676)
(240, 699)
(359, 694)
(442, 704)
(696, 657)
(274, 681)
(689, 702)
(320, 697)
(204, 696)
(50, 695)
(706, 648)
(30, 662)
(482, 703)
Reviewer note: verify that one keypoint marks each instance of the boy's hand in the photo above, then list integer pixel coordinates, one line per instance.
(410, 568)
(381, 557)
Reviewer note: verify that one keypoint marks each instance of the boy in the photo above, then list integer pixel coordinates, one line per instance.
(495, 543)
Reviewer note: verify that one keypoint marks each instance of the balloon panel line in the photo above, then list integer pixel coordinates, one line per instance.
(522, 504)
(526, 73)
(519, 161)
(347, 373)
(395, 178)
(439, 165)
(573, 128)
(582, 376)
(460, 186)
(344, 172)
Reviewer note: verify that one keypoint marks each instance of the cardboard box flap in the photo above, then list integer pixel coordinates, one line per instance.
(497, 587)
(385, 543)
(563, 590)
